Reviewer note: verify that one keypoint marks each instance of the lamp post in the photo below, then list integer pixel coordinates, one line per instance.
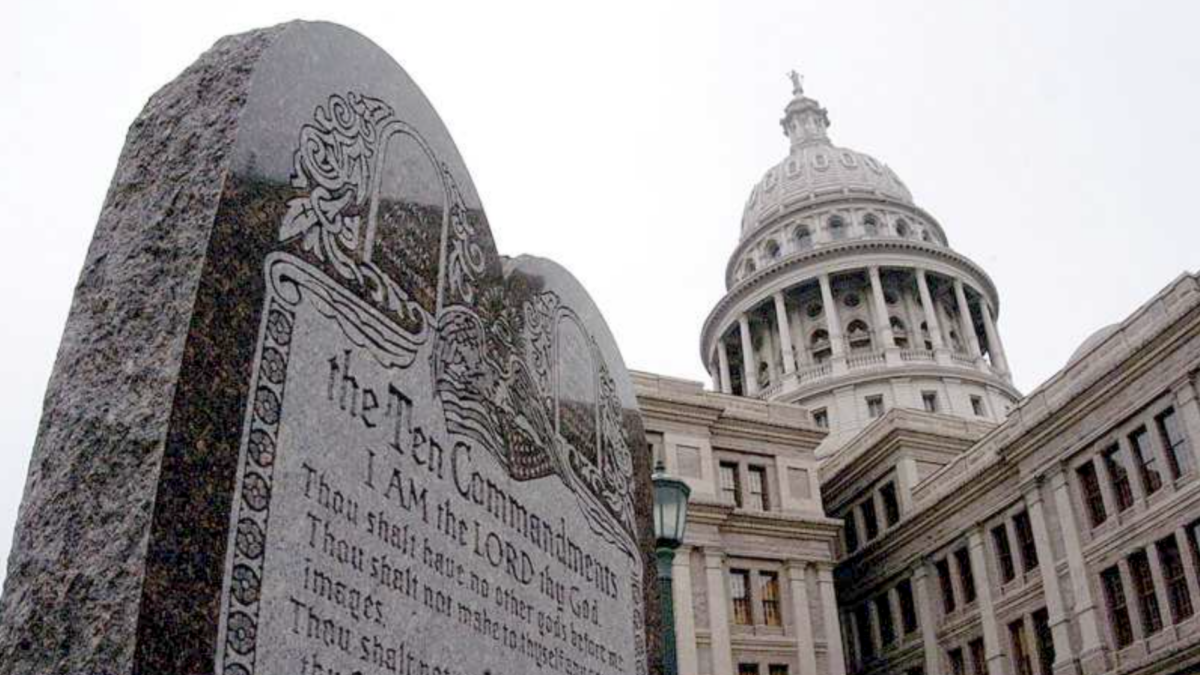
(670, 518)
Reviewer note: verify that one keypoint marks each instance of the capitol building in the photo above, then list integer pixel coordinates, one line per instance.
(870, 492)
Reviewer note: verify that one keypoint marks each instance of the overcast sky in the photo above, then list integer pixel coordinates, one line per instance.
(1056, 142)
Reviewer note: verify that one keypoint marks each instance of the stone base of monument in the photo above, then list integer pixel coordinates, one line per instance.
(306, 420)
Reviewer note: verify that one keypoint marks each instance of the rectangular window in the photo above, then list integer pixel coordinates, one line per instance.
(1143, 588)
(966, 578)
(821, 418)
(870, 520)
(1093, 499)
(730, 490)
(777, 669)
(891, 504)
(739, 591)
(862, 626)
(947, 586)
(768, 583)
(908, 606)
(1171, 562)
(1179, 454)
(977, 407)
(1118, 610)
(851, 531)
(929, 400)
(887, 628)
(957, 665)
(1004, 556)
(978, 657)
(875, 406)
(1193, 537)
(747, 669)
(1025, 543)
(1022, 665)
(1044, 641)
(1114, 463)
(757, 480)
(1146, 460)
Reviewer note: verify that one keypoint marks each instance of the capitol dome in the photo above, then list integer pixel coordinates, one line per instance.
(845, 297)
(816, 168)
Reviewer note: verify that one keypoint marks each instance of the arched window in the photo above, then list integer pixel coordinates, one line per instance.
(925, 236)
(870, 225)
(819, 345)
(837, 228)
(803, 237)
(772, 249)
(859, 336)
(902, 228)
(748, 267)
(899, 332)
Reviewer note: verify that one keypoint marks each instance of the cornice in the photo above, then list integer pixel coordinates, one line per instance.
(785, 267)
(779, 524)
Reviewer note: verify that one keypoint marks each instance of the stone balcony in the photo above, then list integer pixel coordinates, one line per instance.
(873, 361)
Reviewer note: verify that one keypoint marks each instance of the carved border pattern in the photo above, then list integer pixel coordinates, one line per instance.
(256, 480)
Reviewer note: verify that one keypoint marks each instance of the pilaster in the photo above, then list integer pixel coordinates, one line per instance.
(1093, 658)
(718, 613)
(685, 619)
(833, 627)
(1060, 629)
(992, 648)
(925, 615)
(805, 643)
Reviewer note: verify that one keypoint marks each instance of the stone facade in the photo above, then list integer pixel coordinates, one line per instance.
(754, 579)
(865, 395)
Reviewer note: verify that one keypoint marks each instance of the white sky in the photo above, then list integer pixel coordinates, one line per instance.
(1056, 142)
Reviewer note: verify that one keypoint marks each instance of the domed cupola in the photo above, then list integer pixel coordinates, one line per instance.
(816, 168)
(844, 296)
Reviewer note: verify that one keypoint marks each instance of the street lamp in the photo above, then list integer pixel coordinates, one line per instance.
(670, 518)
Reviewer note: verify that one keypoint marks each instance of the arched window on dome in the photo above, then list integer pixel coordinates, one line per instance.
(837, 228)
(870, 225)
(899, 332)
(902, 229)
(859, 336)
(748, 268)
(803, 238)
(925, 236)
(925, 336)
(818, 345)
(772, 249)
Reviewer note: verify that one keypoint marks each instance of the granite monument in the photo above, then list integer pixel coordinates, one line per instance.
(306, 420)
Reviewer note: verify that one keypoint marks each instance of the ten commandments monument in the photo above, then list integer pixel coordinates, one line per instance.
(306, 420)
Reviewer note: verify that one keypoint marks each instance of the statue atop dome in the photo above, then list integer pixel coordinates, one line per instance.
(797, 83)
